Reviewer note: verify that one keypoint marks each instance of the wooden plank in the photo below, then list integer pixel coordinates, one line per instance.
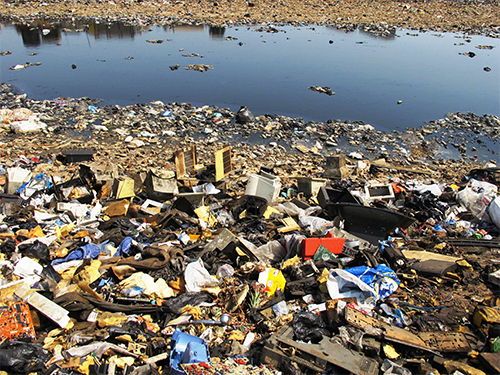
(223, 164)
(180, 167)
(383, 164)
(290, 225)
(185, 160)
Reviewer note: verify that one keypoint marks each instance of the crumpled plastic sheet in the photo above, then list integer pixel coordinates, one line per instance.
(124, 247)
(366, 284)
(271, 252)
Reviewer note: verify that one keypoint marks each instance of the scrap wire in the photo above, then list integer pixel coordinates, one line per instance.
(96, 360)
(288, 351)
(421, 307)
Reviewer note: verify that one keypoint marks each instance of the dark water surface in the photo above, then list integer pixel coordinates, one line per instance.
(269, 73)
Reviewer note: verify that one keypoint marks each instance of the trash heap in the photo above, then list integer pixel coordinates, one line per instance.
(205, 267)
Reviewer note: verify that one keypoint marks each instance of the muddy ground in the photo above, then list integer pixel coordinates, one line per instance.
(439, 15)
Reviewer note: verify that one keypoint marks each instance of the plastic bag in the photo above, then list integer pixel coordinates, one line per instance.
(225, 218)
(308, 327)
(28, 126)
(434, 189)
(289, 209)
(175, 304)
(366, 284)
(315, 224)
(351, 335)
(39, 182)
(37, 250)
(389, 368)
(27, 267)
(244, 116)
(294, 244)
(477, 196)
(271, 252)
(224, 271)
(21, 357)
(293, 210)
(197, 277)
(494, 211)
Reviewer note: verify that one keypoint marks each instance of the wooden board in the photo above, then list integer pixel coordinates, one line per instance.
(223, 165)
(185, 160)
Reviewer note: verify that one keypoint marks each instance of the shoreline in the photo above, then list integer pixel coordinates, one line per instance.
(135, 137)
(474, 18)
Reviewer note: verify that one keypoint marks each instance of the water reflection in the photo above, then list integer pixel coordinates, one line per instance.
(187, 29)
(216, 32)
(40, 31)
(113, 30)
(37, 32)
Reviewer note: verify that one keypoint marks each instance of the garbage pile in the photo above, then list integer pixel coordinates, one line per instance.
(199, 270)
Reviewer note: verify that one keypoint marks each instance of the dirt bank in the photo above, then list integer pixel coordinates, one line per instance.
(442, 15)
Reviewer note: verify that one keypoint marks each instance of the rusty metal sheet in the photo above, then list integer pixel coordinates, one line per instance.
(378, 328)
(447, 342)
(491, 361)
(281, 347)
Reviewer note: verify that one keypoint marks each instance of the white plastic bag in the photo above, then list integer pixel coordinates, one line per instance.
(494, 211)
(271, 252)
(315, 224)
(28, 126)
(477, 196)
(197, 277)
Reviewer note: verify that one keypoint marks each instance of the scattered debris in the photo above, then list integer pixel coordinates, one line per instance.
(141, 249)
(199, 67)
(22, 66)
(323, 90)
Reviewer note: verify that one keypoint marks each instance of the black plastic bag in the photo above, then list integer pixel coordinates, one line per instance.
(308, 327)
(176, 304)
(244, 116)
(8, 247)
(37, 250)
(22, 358)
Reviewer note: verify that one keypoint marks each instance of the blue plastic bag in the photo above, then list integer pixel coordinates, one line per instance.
(382, 279)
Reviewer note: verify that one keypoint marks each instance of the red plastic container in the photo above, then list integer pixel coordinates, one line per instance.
(310, 245)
